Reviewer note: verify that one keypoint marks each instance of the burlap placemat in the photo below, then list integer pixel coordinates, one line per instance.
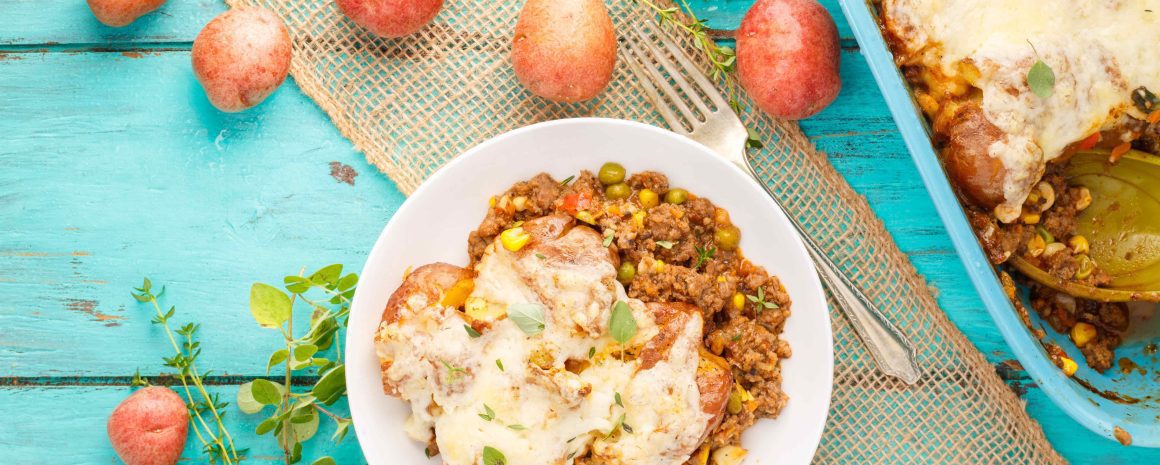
(413, 103)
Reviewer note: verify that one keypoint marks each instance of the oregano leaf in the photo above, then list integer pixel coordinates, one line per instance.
(269, 305)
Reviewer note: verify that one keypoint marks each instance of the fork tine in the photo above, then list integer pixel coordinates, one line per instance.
(660, 81)
(691, 69)
(668, 65)
(675, 123)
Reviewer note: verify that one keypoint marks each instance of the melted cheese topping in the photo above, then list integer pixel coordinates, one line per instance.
(450, 378)
(1099, 50)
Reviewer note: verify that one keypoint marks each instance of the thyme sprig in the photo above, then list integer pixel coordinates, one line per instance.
(205, 410)
(723, 58)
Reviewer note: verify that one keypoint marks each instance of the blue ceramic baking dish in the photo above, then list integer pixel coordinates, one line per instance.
(1102, 402)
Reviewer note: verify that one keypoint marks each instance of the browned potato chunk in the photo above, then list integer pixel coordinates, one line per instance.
(978, 175)
(430, 281)
(714, 380)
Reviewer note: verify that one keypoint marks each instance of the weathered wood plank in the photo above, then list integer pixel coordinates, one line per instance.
(66, 426)
(36, 22)
(32, 22)
(128, 173)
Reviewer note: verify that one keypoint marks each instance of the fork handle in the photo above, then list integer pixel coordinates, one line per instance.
(891, 351)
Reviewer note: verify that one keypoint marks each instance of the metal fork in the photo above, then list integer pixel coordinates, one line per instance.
(703, 115)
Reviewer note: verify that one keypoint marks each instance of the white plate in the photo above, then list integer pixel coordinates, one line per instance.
(433, 224)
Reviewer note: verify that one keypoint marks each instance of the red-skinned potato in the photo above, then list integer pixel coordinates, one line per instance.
(787, 57)
(390, 18)
(241, 57)
(118, 13)
(149, 427)
(564, 50)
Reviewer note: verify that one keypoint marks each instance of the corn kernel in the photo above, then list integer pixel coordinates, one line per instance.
(729, 455)
(1086, 266)
(658, 266)
(1030, 218)
(478, 309)
(585, 216)
(613, 210)
(1035, 246)
(1053, 248)
(648, 198)
(1079, 244)
(505, 204)
(514, 239)
(638, 219)
(721, 279)
(735, 404)
(1069, 366)
(1082, 333)
(1083, 199)
(521, 203)
(491, 201)
(738, 300)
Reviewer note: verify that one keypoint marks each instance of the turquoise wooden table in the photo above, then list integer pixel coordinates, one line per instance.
(113, 166)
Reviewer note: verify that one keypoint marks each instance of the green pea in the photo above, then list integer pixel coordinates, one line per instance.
(727, 237)
(611, 173)
(676, 196)
(618, 191)
(625, 273)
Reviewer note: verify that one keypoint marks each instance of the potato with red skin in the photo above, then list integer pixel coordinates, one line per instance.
(564, 50)
(788, 56)
(149, 427)
(241, 57)
(119, 13)
(390, 18)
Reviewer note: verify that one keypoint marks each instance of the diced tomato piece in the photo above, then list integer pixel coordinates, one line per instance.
(1089, 142)
(576, 201)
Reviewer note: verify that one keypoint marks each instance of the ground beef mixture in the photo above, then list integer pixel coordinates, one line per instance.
(679, 252)
(1062, 312)
(1050, 243)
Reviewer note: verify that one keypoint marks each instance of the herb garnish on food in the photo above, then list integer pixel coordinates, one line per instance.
(759, 299)
(1040, 78)
(622, 325)
(703, 255)
(528, 316)
(488, 414)
(665, 244)
(492, 456)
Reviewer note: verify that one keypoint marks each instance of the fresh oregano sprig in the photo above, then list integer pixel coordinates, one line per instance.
(317, 350)
(205, 410)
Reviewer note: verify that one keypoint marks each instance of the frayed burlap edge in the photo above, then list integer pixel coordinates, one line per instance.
(411, 104)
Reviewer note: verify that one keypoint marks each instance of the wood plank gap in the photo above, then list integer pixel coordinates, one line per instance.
(143, 47)
(7, 382)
